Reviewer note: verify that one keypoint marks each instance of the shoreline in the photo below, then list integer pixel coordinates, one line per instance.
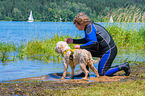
(66, 87)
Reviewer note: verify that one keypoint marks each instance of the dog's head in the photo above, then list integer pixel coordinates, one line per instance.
(61, 46)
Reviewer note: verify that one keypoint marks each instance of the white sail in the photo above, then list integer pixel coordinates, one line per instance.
(111, 19)
(30, 17)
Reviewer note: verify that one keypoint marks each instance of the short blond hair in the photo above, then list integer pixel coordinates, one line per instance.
(82, 18)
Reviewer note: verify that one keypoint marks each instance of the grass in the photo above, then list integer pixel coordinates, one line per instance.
(126, 88)
(130, 88)
(5, 49)
(131, 39)
(44, 49)
(132, 13)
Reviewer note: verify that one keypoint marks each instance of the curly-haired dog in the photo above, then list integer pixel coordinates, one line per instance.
(74, 57)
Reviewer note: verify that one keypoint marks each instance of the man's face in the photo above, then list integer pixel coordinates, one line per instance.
(79, 26)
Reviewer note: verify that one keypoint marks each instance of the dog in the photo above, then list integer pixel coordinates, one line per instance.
(72, 57)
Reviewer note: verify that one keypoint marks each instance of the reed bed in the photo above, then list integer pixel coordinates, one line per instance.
(44, 49)
(5, 50)
(128, 14)
(131, 39)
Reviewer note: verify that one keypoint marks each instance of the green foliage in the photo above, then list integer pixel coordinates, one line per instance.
(127, 38)
(66, 10)
(44, 50)
(5, 49)
(142, 34)
(17, 14)
(131, 13)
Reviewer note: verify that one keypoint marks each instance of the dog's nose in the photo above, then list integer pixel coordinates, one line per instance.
(56, 50)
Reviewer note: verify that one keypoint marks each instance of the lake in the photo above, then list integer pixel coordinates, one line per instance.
(17, 32)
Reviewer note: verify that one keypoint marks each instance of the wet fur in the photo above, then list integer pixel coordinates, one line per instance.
(80, 56)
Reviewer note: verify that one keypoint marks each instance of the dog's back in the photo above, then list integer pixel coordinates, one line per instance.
(82, 55)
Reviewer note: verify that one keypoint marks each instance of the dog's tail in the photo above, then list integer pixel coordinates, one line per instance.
(95, 61)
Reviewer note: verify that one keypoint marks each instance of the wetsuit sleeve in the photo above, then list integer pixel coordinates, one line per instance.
(90, 35)
(80, 41)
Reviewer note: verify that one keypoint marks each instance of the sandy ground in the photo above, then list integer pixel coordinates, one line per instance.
(51, 83)
(57, 78)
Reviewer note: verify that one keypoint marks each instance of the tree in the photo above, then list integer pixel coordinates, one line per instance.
(17, 14)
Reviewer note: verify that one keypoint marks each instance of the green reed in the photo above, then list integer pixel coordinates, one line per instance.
(5, 48)
(131, 39)
(128, 14)
(44, 50)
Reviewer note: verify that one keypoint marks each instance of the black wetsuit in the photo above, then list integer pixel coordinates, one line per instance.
(99, 42)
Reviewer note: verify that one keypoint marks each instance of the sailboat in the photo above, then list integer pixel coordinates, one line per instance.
(111, 19)
(30, 19)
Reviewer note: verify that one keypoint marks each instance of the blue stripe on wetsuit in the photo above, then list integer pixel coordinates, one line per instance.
(91, 37)
(111, 71)
(102, 64)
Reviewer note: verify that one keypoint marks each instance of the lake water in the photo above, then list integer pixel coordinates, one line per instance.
(17, 32)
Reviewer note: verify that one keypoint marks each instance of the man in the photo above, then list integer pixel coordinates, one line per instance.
(99, 42)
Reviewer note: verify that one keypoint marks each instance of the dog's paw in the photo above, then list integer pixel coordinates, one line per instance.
(84, 78)
(62, 78)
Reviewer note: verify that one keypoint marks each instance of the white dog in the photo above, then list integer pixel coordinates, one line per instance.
(74, 57)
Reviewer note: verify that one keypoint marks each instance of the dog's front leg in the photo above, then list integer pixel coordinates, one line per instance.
(65, 69)
(72, 73)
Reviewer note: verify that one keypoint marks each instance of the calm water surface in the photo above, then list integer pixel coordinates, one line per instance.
(18, 32)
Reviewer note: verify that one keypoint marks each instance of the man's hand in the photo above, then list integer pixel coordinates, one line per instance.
(77, 46)
(69, 40)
